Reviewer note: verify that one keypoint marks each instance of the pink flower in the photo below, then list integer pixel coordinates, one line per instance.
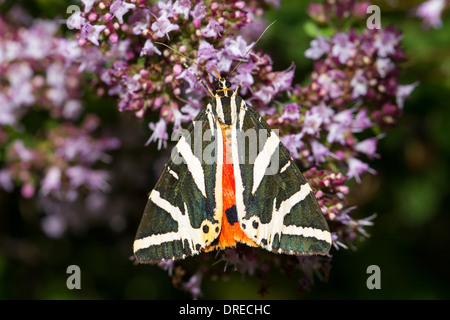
(177, 69)
(282, 80)
(326, 113)
(343, 48)
(54, 225)
(149, 48)
(318, 47)
(27, 190)
(51, 181)
(92, 179)
(212, 30)
(191, 108)
(359, 84)
(88, 5)
(119, 8)
(193, 285)
(361, 121)
(206, 51)
(182, 7)
(356, 168)
(319, 152)
(403, 92)
(163, 26)
(328, 85)
(291, 112)
(199, 11)
(293, 143)
(223, 63)
(312, 122)
(167, 265)
(191, 80)
(23, 153)
(431, 11)
(159, 133)
(166, 8)
(91, 32)
(6, 181)
(384, 66)
(341, 125)
(386, 43)
(236, 47)
(265, 94)
(243, 75)
(368, 147)
(7, 115)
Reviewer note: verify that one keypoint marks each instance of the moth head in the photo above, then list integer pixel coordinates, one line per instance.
(222, 85)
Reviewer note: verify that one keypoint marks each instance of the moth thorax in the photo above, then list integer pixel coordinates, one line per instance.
(226, 109)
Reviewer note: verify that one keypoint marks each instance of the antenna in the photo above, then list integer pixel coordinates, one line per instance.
(248, 51)
(177, 52)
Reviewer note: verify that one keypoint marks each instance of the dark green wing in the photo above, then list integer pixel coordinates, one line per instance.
(277, 209)
(179, 218)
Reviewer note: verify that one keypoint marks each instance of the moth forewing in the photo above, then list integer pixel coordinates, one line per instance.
(181, 216)
(279, 211)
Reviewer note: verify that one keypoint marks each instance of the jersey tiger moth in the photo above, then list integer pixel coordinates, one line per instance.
(227, 193)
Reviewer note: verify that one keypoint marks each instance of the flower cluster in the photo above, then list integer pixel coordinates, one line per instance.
(47, 144)
(337, 12)
(149, 78)
(354, 88)
(336, 120)
(327, 124)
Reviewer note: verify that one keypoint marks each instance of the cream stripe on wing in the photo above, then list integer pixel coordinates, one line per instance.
(218, 196)
(276, 226)
(242, 113)
(173, 173)
(285, 167)
(154, 240)
(185, 230)
(262, 161)
(240, 206)
(308, 232)
(193, 163)
(277, 222)
(233, 108)
(219, 109)
(286, 206)
(210, 118)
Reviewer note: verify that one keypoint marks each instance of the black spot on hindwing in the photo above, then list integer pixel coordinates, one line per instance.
(231, 214)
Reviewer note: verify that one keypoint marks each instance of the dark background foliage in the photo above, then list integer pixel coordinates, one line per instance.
(410, 195)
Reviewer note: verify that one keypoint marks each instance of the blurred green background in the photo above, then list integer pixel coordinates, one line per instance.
(410, 195)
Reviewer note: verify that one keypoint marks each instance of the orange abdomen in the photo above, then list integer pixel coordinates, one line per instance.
(231, 231)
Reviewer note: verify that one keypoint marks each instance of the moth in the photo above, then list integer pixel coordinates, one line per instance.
(217, 192)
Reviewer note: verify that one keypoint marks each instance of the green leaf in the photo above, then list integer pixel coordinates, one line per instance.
(313, 30)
